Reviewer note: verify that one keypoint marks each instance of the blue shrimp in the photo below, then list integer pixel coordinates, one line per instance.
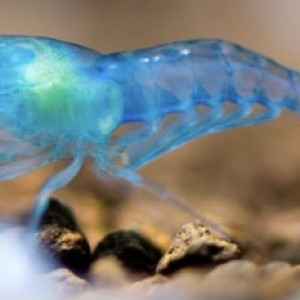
(60, 100)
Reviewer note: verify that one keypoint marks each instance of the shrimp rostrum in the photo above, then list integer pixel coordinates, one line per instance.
(61, 100)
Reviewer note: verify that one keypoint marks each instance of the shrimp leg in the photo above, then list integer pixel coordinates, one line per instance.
(112, 171)
(164, 142)
(19, 167)
(131, 138)
(57, 181)
(236, 118)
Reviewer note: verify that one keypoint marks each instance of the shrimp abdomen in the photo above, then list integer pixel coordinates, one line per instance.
(179, 76)
(184, 76)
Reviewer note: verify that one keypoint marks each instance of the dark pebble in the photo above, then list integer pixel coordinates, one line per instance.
(195, 245)
(60, 239)
(132, 249)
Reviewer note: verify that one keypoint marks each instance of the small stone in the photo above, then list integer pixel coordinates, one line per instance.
(157, 279)
(274, 268)
(136, 252)
(277, 280)
(61, 240)
(108, 272)
(148, 287)
(246, 280)
(194, 245)
(65, 282)
(232, 280)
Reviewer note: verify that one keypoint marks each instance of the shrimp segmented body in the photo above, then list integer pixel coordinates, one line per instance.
(60, 100)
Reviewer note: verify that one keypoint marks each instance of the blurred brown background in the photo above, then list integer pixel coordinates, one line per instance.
(258, 167)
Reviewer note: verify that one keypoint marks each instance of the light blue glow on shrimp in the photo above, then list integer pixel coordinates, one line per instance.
(61, 100)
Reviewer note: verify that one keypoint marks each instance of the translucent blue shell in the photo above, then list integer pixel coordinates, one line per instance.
(52, 90)
(124, 109)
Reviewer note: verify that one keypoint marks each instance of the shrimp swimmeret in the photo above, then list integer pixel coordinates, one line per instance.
(60, 100)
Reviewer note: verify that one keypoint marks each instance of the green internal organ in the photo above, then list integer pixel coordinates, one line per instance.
(65, 97)
(53, 91)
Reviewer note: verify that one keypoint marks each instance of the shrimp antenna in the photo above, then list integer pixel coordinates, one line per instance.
(166, 195)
